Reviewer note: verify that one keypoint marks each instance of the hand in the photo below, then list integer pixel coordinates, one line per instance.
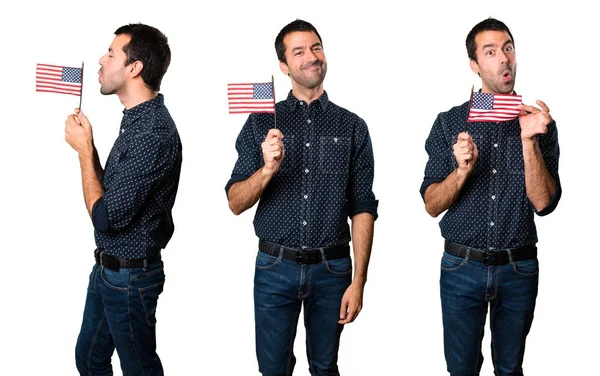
(534, 121)
(351, 303)
(273, 151)
(78, 132)
(465, 152)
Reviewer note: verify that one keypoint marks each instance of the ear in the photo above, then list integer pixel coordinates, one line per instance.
(284, 68)
(474, 66)
(135, 68)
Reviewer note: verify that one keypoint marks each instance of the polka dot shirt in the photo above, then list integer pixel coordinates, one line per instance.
(325, 177)
(492, 210)
(140, 183)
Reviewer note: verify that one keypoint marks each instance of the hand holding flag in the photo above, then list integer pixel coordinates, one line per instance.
(534, 121)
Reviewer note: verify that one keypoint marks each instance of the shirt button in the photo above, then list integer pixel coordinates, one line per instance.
(491, 223)
(490, 248)
(303, 247)
(306, 170)
(305, 197)
(495, 145)
(308, 121)
(494, 171)
(493, 197)
(308, 144)
(301, 103)
(304, 223)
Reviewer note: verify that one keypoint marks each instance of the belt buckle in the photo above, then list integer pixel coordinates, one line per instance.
(302, 257)
(490, 258)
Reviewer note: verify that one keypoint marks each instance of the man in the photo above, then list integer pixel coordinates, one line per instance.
(310, 174)
(491, 179)
(130, 204)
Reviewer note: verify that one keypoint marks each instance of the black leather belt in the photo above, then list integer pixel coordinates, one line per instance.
(304, 256)
(115, 263)
(494, 257)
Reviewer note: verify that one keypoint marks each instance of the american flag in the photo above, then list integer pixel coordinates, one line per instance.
(251, 98)
(486, 107)
(58, 79)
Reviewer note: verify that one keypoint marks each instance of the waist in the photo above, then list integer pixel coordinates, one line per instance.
(115, 262)
(304, 256)
(492, 257)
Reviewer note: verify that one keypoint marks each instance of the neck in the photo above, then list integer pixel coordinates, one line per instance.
(131, 97)
(307, 95)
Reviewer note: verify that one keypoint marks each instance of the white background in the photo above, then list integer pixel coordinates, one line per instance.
(396, 67)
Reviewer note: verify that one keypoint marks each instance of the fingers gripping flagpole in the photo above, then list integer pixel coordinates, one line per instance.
(81, 89)
(274, 103)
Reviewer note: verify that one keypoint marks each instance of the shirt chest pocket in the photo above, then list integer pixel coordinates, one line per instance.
(334, 155)
(290, 159)
(514, 157)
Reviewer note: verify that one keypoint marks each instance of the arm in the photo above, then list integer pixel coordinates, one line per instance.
(362, 239)
(440, 196)
(539, 184)
(78, 133)
(242, 195)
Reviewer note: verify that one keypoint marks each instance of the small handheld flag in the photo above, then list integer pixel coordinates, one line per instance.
(251, 98)
(488, 107)
(58, 79)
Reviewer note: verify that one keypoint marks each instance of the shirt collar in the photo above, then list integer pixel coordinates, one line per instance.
(293, 102)
(131, 115)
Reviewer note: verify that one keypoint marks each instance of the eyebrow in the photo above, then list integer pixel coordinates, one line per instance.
(302, 47)
(494, 44)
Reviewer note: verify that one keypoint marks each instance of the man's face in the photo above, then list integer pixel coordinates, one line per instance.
(113, 72)
(496, 61)
(305, 60)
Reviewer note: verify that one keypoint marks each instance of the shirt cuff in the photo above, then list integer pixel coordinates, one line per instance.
(364, 207)
(100, 215)
(234, 179)
(426, 183)
(553, 201)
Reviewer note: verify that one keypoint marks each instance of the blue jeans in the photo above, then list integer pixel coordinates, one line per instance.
(120, 312)
(466, 289)
(281, 287)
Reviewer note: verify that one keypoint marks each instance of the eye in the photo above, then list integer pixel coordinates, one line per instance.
(318, 48)
(298, 53)
(489, 53)
(509, 48)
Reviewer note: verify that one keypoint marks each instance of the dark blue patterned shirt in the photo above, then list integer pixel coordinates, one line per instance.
(140, 183)
(326, 175)
(492, 210)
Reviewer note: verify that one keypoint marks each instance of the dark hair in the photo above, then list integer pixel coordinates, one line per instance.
(297, 25)
(485, 25)
(151, 47)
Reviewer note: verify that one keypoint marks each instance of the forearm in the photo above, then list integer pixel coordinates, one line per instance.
(91, 177)
(440, 196)
(362, 240)
(539, 184)
(244, 194)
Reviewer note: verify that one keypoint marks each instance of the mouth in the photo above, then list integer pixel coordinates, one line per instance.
(506, 76)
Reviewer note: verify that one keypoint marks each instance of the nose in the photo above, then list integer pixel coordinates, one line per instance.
(101, 61)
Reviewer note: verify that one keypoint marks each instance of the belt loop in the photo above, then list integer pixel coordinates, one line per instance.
(510, 259)
(468, 255)
(100, 258)
(323, 255)
(280, 255)
(145, 264)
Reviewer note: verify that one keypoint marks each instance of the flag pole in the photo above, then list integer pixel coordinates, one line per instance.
(274, 103)
(470, 106)
(81, 88)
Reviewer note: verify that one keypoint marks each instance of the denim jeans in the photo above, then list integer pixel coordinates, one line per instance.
(466, 289)
(120, 312)
(281, 287)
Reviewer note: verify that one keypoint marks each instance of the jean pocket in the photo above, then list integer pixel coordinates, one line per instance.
(451, 262)
(342, 266)
(149, 296)
(115, 280)
(266, 261)
(526, 268)
(334, 155)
